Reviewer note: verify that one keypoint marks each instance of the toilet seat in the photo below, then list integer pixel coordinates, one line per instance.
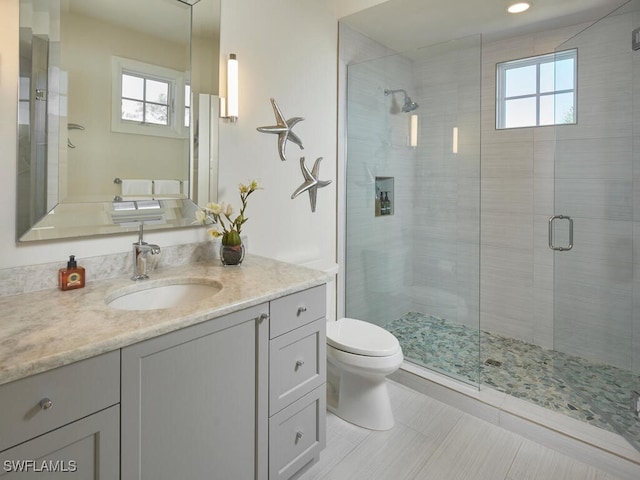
(361, 338)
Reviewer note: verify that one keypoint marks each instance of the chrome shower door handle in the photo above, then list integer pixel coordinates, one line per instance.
(551, 245)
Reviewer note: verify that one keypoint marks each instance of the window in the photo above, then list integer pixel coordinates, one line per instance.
(537, 91)
(148, 99)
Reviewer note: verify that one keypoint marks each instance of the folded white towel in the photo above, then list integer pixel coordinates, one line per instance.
(166, 187)
(136, 187)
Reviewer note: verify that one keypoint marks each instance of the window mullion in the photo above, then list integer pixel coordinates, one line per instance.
(144, 100)
(537, 94)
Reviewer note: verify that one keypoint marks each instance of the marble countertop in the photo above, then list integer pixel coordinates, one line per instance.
(46, 329)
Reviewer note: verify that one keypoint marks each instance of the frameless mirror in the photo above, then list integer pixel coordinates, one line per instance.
(118, 115)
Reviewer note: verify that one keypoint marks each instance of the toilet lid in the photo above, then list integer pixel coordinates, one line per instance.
(362, 338)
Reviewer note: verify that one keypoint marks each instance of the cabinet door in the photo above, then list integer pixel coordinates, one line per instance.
(87, 449)
(190, 401)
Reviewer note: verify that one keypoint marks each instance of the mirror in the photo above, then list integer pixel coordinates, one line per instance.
(117, 115)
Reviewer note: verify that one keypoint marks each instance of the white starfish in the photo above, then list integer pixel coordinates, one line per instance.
(283, 130)
(311, 182)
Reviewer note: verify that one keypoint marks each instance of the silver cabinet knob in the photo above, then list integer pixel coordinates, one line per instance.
(299, 363)
(301, 310)
(299, 435)
(46, 404)
(263, 316)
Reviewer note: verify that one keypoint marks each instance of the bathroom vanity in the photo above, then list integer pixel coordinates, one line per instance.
(231, 386)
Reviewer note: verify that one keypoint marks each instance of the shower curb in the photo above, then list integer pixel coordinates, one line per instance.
(602, 449)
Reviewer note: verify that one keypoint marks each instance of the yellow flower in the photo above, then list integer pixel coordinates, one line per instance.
(220, 214)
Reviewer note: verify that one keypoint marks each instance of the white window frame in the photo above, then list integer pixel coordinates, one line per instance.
(176, 80)
(501, 98)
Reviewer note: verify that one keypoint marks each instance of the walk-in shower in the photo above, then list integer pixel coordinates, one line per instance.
(461, 271)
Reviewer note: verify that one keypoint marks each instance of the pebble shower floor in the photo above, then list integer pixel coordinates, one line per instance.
(594, 393)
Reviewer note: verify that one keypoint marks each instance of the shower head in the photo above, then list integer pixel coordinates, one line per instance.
(409, 105)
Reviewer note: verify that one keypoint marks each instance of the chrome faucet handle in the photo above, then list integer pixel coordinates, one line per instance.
(140, 251)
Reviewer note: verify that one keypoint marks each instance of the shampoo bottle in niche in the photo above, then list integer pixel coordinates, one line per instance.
(72, 276)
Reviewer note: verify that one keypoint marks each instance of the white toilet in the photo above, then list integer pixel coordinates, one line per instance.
(360, 355)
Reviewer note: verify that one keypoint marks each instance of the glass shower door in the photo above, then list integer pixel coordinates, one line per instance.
(597, 207)
(414, 268)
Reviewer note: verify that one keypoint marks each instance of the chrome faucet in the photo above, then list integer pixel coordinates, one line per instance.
(140, 251)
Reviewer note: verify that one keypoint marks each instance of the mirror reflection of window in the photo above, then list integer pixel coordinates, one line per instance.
(187, 106)
(148, 99)
(145, 100)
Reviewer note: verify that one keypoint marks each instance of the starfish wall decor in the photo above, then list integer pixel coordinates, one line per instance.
(282, 128)
(311, 182)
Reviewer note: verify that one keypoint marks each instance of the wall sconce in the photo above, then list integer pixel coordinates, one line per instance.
(454, 140)
(231, 110)
(413, 131)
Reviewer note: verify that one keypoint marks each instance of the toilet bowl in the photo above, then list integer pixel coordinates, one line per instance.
(360, 355)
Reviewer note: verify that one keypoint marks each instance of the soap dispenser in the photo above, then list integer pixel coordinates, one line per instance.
(72, 276)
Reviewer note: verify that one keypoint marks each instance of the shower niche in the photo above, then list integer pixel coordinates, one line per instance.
(384, 204)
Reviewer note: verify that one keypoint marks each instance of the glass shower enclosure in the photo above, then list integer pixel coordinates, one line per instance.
(413, 202)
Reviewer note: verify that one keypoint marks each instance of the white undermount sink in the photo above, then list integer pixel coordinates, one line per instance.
(159, 296)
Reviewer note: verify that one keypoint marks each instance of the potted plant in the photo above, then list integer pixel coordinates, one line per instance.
(228, 228)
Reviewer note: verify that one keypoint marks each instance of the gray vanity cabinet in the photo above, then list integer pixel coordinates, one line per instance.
(194, 401)
(237, 397)
(63, 423)
(297, 379)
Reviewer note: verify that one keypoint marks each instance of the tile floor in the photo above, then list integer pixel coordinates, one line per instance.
(596, 394)
(434, 441)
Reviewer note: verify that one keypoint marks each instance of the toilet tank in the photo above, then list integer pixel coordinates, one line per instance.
(331, 269)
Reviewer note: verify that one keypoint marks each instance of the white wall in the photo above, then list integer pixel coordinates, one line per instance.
(347, 7)
(287, 49)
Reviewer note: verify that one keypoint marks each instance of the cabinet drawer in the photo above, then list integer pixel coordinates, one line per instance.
(297, 435)
(75, 391)
(297, 364)
(296, 310)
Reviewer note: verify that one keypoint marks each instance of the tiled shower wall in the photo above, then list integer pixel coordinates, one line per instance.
(432, 232)
(378, 262)
(516, 293)
(446, 201)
